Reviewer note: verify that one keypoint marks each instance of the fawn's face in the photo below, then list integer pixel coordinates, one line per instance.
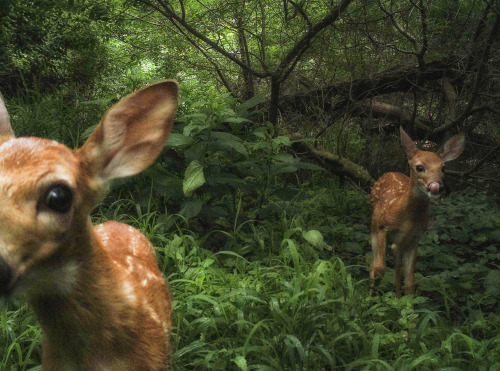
(426, 168)
(47, 190)
(38, 192)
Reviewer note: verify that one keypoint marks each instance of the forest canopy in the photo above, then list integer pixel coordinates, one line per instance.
(258, 206)
(342, 73)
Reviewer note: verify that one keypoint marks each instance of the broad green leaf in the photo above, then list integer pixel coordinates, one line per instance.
(282, 141)
(191, 208)
(177, 140)
(241, 362)
(252, 102)
(227, 140)
(235, 120)
(193, 178)
(225, 136)
(201, 117)
(314, 237)
(285, 158)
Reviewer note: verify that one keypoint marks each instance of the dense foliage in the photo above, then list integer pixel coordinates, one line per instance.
(266, 248)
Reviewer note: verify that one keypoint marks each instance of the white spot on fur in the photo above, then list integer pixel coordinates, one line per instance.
(130, 262)
(134, 240)
(166, 328)
(101, 231)
(152, 313)
(149, 277)
(128, 290)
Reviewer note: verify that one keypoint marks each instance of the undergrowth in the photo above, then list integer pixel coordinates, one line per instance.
(270, 272)
(295, 298)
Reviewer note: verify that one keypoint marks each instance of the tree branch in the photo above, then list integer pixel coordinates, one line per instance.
(290, 60)
(168, 12)
(477, 81)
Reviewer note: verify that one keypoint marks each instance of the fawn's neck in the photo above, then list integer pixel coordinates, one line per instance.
(417, 201)
(86, 319)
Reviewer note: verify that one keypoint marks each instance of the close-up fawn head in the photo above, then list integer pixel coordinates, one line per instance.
(97, 291)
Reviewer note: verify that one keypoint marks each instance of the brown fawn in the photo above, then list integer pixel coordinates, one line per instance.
(97, 291)
(401, 209)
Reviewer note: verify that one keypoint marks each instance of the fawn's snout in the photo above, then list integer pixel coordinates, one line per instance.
(435, 188)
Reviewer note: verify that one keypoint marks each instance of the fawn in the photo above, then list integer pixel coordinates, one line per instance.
(97, 291)
(401, 209)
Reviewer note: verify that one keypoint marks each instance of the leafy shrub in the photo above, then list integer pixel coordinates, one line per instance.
(229, 166)
(460, 254)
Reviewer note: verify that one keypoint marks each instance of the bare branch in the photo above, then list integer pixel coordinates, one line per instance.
(477, 81)
(168, 12)
(400, 29)
(290, 60)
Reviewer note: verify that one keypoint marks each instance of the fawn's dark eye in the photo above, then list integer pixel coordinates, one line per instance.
(59, 198)
(420, 168)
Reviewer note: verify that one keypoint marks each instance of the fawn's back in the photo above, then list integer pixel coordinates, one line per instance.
(97, 291)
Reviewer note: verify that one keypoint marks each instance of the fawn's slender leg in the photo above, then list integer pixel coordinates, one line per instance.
(377, 269)
(409, 256)
(398, 257)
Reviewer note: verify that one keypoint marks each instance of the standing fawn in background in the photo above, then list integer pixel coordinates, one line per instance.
(97, 291)
(401, 209)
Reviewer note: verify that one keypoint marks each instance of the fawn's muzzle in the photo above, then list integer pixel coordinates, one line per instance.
(435, 188)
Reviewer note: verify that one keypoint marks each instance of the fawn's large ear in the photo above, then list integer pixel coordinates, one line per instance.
(132, 133)
(407, 143)
(452, 148)
(5, 128)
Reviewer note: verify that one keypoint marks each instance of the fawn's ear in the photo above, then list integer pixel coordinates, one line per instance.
(132, 133)
(452, 148)
(5, 128)
(407, 143)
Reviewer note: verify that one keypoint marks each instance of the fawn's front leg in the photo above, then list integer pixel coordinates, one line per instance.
(377, 269)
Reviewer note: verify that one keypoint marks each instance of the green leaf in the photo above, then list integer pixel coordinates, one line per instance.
(281, 141)
(252, 102)
(193, 177)
(191, 208)
(241, 362)
(235, 120)
(314, 237)
(492, 283)
(229, 141)
(220, 135)
(177, 140)
(201, 117)
(285, 158)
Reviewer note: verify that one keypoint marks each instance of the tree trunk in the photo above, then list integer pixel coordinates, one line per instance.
(275, 100)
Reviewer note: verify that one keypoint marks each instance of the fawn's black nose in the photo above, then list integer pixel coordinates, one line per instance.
(5, 278)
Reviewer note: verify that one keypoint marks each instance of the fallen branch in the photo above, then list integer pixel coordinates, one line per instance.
(338, 165)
